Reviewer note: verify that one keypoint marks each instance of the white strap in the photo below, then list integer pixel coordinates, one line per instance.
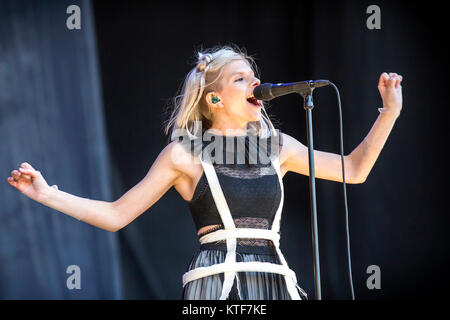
(276, 228)
(226, 217)
(217, 193)
(277, 218)
(249, 266)
(290, 278)
(240, 233)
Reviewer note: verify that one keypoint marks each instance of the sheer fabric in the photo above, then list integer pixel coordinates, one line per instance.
(251, 285)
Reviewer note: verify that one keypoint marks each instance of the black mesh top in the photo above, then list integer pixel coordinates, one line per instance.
(251, 188)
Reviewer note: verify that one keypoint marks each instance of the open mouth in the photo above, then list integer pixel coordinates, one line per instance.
(251, 98)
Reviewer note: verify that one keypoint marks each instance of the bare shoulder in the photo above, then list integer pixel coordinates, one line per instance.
(187, 166)
(293, 155)
(178, 156)
(181, 159)
(290, 145)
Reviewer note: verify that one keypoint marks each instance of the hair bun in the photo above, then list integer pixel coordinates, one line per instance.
(203, 61)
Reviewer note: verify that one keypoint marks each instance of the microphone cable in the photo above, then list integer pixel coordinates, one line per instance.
(345, 190)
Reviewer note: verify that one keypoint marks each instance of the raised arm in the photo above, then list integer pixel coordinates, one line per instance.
(367, 152)
(359, 163)
(110, 216)
(328, 166)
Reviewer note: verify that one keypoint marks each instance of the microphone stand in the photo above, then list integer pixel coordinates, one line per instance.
(308, 105)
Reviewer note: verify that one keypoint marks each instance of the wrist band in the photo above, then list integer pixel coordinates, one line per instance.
(386, 110)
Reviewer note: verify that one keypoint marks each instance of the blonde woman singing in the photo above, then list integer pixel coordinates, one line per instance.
(235, 197)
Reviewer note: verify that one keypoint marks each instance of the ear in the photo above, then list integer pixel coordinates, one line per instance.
(209, 100)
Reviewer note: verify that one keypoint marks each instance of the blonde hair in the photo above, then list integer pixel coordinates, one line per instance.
(190, 107)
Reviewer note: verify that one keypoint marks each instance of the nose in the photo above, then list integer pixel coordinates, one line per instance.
(256, 82)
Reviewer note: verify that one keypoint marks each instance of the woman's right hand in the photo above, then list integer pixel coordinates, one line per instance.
(28, 181)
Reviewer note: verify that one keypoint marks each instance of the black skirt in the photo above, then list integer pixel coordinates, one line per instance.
(251, 285)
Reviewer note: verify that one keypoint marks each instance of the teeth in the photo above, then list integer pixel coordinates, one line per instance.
(250, 96)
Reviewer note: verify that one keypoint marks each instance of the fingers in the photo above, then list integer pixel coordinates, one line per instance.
(12, 182)
(26, 168)
(26, 165)
(383, 78)
(398, 81)
(25, 173)
(15, 178)
(391, 80)
(17, 174)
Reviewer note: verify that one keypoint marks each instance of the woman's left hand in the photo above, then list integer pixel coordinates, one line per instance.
(390, 90)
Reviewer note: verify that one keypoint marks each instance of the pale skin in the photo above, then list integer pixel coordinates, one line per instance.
(233, 111)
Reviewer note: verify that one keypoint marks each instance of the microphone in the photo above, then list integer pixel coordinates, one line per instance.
(268, 91)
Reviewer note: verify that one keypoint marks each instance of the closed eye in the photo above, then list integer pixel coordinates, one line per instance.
(239, 79)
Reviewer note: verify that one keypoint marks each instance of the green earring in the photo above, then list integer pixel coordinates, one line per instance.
(214, 99)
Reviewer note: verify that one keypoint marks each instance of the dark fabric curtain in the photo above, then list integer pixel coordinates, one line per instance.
(51, 115)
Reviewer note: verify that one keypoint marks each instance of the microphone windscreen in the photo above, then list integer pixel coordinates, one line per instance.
(263, 92)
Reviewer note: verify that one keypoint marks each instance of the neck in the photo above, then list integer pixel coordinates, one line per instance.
(230, 128)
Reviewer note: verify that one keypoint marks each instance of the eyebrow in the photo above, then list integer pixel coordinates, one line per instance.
(241, 72)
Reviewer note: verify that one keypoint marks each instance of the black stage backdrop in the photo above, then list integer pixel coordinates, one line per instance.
(398, 217)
